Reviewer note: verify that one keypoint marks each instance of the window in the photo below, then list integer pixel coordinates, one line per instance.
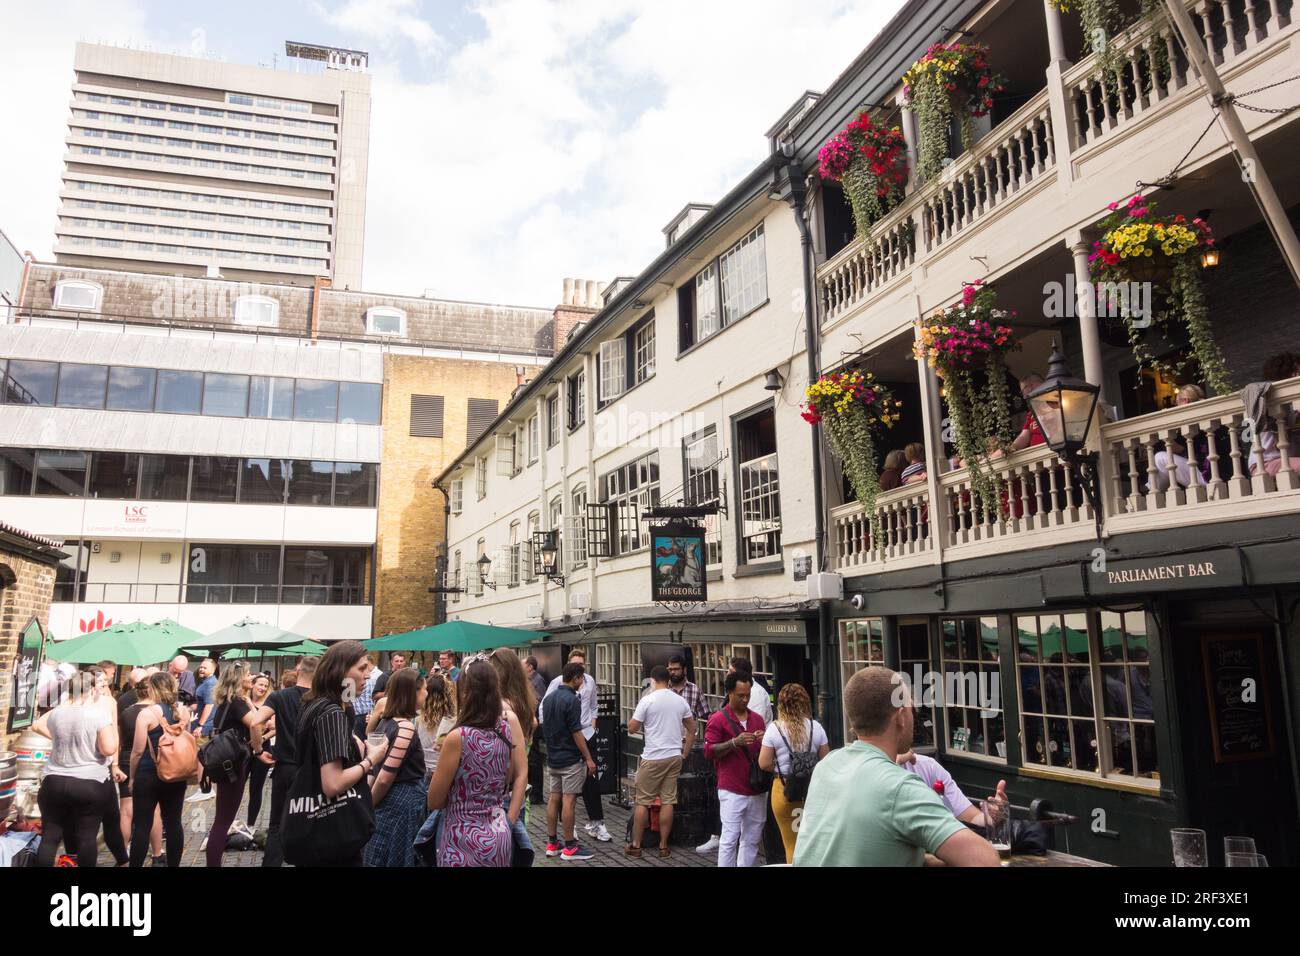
(533, 527)
(82, 386)
(225, 574)
(760, 498)
(553, 421)
(479, 415)
(454, 582)
(508, 454)
(270, 398)
(914, 661)
(613, 369)
(225, 394)
(643, 353)
(480, 478)
(214, 479)
(262, 480)
(723, 292)
(17, 468)
(703, 486)
(61, 473)
(476, 572)
(315, 400)
(575, 534)
(131, 389)
(310, 482)
(256, 310)
(1085, 693)
(628, 491)
(577, 392)
(31, 383)
(628, 360)
(359, 402)
(534, 439)
(179, 392)
(972, 711)
(78, 295)
(556, 513)
(515, 557)
(458, 496)
(426, 416)
(355, 484)
(862, 644)
(114, 474)
(381, 320)
(164, 477)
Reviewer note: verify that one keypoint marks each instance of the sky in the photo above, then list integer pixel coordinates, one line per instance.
(513, 143)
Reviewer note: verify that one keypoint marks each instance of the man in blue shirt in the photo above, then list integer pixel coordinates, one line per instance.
(568, 761)
(204, 696)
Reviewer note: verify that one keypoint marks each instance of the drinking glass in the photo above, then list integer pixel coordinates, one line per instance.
(376, 739)
(1238, 844)
(1241, 859)
(1189, 846)
(997, 827)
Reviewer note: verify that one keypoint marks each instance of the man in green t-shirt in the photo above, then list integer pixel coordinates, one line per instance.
(865, 810)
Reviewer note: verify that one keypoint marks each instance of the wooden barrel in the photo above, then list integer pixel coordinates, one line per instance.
(33, 753)
(8, 782)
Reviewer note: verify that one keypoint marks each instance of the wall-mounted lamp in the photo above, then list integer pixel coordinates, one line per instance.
(484, 565)
(547, 544)
(773, 382)
(1209, 258)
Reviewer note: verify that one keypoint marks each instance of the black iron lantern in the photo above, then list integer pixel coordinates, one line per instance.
(550, 552)
(1064, 406)
(484, 567)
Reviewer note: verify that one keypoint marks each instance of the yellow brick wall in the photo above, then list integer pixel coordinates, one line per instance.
(26, 587)
(411, 515)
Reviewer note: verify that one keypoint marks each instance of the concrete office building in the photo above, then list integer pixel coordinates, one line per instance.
(196, 167)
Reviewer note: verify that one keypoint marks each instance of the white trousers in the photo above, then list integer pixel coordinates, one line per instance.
(1184, 474)
(742, 827)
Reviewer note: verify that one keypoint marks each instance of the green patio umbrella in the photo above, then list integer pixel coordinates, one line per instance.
(250, 635)
(462, 637)
(306, 648)
(133, 643)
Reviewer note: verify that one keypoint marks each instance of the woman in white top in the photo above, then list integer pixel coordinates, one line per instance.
(71, 797)
(436, 717)
(793, 732)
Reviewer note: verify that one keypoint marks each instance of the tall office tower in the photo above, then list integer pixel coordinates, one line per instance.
(196, 167)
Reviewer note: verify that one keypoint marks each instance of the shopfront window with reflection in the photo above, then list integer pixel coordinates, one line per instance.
(971, 687)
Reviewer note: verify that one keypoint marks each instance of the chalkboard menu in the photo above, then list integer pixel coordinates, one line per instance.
(1241, 721)
(604, 743)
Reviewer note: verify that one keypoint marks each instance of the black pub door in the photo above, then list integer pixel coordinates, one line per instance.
(1232, 729)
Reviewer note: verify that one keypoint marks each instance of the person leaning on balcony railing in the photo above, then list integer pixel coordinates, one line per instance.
(1188, 472)
(1264, 453)
(892, 474)
(1030, 433)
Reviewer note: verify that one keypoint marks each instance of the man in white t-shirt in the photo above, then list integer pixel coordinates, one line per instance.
(669, 733)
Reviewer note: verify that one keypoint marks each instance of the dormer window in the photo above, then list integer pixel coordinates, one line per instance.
(256, 310)
(382, 320)
(78, 295)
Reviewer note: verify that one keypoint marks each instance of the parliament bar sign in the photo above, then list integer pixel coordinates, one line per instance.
(1186, 572)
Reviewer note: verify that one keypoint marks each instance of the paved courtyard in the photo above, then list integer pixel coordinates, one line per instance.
(198, 816)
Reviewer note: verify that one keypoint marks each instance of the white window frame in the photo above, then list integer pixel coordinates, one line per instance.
(742, 275)
(555, 513)
(553, 420)
(534, 525)
(455, 578)
(245, 303)
(643, 353)
(514, 556)
(613, 369)
(480, 477)
(534, 439)
(579, 405)
(78, 285)
(475, 577)
(385, 311)
(458, 496)
(578, 546)
(507, 454)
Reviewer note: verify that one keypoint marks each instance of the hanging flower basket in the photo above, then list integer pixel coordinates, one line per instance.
(870, 162)
(1103, 22)
(853, 406)
(1139, 246)
(952, 79)
(967, 346)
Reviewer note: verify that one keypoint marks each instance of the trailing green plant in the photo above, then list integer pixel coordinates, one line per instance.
(853, 406)
(967, 345)
(1165, 251)
(1103, 21)
(952, 79)
(870, 162)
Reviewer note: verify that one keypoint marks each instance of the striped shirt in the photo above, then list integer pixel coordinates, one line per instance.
(691, 694)
(365, 701)
(333, 734)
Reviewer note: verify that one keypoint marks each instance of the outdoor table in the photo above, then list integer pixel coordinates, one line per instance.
(1052, 858)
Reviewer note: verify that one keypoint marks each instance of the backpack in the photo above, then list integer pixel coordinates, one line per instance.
(176, 755)
(801, 767)
(226, 755)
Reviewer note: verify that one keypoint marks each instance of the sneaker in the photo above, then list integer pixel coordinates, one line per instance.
(578, 852)
(599, 832)
(199, 796)
(553, 849)
(709, 845)
(204, 845)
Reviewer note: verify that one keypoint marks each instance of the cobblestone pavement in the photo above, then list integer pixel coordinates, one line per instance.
(198, 817)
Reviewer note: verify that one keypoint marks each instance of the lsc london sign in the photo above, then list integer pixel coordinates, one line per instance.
(128, 518)
(1202, 570)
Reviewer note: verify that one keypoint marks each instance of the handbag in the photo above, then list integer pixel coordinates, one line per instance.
(316, 830)
(175, 756)
(760, 780)
(226, 755)
(802, 765)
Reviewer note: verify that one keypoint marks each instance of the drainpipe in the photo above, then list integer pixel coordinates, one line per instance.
(440, 564)
(824, 699)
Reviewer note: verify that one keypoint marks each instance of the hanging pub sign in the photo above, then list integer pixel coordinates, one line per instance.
(27, 669)
(677, 562)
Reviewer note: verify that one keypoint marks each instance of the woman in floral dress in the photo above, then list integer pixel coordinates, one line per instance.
(477, 763)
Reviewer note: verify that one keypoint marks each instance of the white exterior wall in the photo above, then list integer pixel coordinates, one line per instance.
(716, 380)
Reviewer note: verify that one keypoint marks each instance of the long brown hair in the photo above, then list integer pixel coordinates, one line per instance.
(162, 688)
(478, 697)
(328, 680)
(515, 689)
(403, 691)
(440, 702)
(793, 707)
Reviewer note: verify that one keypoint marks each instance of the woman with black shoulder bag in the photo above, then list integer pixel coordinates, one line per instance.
(793, 743)
(227, 756)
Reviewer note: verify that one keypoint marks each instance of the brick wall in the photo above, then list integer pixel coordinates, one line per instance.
(411, 511)
(29, 585)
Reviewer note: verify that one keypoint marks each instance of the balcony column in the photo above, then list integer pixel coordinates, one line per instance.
(908, 122)
(1064, 136)
(1086, 307)
(932, 432)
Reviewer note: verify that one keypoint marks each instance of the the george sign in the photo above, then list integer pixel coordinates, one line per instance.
(1241, 723)
(1184, 572)
(27, 669)
(677, 563)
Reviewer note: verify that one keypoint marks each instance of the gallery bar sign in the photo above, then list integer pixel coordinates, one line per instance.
(677, 563)
(1184, 572)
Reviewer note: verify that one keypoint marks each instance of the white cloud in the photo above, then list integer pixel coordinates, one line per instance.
(384, 21)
